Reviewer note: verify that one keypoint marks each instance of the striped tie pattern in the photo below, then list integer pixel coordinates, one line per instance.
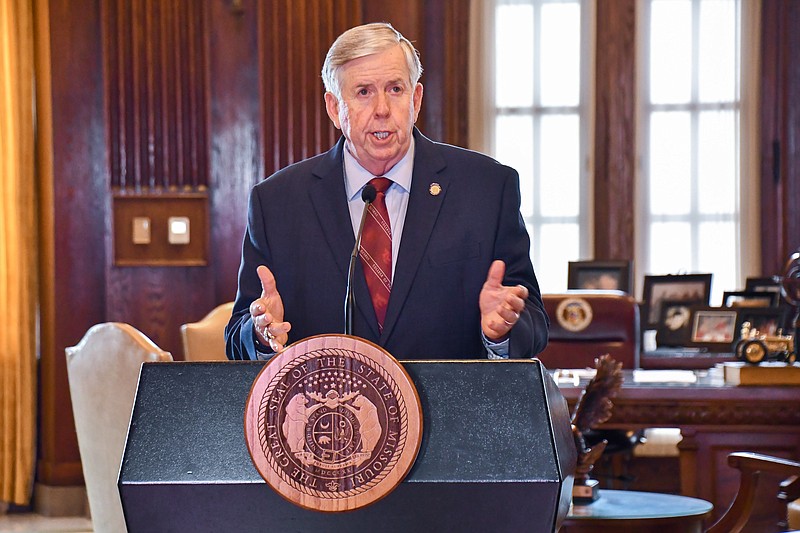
(376, 250)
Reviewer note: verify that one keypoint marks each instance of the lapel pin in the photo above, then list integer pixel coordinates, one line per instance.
(435, 189)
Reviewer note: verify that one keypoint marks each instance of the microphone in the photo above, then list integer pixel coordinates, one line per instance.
(368, 194)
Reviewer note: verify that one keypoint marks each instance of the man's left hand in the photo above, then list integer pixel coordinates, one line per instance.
(500, 305)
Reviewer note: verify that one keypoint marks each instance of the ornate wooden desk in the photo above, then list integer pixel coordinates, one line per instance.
(621, 511)
(715, 419)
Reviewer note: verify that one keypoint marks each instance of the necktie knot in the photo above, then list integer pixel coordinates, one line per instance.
(381, 184)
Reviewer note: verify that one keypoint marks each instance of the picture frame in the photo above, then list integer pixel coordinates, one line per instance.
(763, 284)
(675, 324)
(690, 288)
(600, 275)
(750, 299)
(766, 320)
(714, 328)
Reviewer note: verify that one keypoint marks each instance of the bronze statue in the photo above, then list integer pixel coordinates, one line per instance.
(593, 408)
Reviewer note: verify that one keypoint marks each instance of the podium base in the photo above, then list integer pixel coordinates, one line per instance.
(585, 492)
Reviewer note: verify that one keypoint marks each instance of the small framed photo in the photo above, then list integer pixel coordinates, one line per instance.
(769, 284)
(689, 288)
(750, 299)
(765, 320)
(714, 328)
(675, 325)
(600, 275)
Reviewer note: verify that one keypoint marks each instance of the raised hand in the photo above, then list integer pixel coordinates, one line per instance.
(267, 313)
(500, 305)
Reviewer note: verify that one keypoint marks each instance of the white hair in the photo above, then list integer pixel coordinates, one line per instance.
(362, 41)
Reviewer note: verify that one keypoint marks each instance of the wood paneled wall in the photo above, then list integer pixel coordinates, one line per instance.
(243, 97)
(779, 133)
(155, 68)
(295, 37)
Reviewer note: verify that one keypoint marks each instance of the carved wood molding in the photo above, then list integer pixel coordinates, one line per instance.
(746, 413)
(155, 90)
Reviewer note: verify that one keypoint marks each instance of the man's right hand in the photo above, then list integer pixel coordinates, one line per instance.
(267, 313)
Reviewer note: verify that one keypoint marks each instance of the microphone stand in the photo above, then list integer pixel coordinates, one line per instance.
(368, 195)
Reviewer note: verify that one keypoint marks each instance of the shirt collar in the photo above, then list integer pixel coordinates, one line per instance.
(356, 176)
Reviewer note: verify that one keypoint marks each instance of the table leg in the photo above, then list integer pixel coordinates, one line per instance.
(687, 449)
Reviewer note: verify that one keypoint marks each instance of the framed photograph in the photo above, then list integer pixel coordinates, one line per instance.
(765, 320)
(600, 275)
(750, 299)
(770, 284)
(689, 288)
(675, 325)
(714, 328)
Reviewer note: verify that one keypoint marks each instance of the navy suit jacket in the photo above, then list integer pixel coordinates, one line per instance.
(299, 226)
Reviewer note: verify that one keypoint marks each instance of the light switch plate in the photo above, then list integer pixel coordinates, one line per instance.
(141, 230)
(184, 213)
(178, 230)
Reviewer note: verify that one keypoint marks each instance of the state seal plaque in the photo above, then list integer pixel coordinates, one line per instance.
(333, 423)
(574, 314)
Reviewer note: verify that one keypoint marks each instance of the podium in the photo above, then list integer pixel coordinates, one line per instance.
(497, 454)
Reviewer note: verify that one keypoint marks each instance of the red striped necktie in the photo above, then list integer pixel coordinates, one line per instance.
(376, 250)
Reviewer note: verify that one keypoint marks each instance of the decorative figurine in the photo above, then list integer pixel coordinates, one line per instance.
(594, 407)
(754, 347)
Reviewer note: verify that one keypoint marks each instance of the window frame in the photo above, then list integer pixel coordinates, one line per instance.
(488, 112)
(744, 216)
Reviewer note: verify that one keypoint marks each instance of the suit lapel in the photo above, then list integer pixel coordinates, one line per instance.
(423, 210)
(334, 218)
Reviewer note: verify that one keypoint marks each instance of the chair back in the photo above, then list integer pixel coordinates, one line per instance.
(587, 324)
(103, 372)
(205, 340)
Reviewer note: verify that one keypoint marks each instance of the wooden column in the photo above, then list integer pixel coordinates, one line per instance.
(615, 140)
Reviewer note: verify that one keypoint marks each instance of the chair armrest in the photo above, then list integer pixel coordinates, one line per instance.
(750, 465)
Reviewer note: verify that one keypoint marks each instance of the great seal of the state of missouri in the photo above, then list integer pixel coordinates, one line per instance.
(333, 423)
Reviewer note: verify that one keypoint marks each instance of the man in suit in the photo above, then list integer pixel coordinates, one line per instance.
(458, 275)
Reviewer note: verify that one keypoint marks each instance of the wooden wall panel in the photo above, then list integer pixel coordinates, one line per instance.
(154, 54)
(614, 142)
(294, 36)
(154, 58)
(780, 133)
(445, 54)
(75, 224)
(235, 135)
(792, 136)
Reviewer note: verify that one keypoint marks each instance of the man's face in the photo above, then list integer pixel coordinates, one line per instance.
(377, 109)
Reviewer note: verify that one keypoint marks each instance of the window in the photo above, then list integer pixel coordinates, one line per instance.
(689, 126)
(697, 66)
(538, 123)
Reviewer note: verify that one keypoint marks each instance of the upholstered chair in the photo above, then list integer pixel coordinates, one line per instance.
(103, 371)
(205, 340)
(587, 324)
